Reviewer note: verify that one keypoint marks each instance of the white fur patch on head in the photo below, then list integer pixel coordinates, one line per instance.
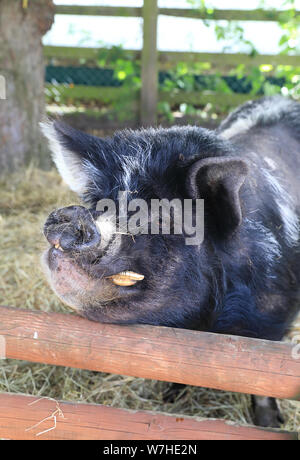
(290, 223)
(286, 207)
(246, 117)
(271, 163)
(135, 162)
(67, 162)
(266, 241)
(107, 230)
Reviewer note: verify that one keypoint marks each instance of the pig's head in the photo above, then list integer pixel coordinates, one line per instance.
(110, 275)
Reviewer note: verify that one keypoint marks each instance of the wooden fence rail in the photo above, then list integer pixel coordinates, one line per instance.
(196, 358)
(110, 95)
(32, 418)
(216, 14)
(167, 59)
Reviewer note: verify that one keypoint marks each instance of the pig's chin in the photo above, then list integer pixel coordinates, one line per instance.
(73, 285)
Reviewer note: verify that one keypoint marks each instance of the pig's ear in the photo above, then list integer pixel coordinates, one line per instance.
(70, 151)
(218, 181)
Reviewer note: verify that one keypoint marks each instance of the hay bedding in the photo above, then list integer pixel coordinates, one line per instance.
(26, 198)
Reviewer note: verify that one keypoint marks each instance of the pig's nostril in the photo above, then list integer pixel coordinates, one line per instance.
(72, 228)
(90, 237)
(69, 238)
(78, 237)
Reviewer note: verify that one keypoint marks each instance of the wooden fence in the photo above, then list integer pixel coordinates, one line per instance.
(151, 60)
(174, 355)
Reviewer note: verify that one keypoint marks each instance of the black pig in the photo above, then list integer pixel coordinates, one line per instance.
(242, 279)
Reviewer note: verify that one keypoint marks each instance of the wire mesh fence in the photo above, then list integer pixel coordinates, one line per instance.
(102, 77)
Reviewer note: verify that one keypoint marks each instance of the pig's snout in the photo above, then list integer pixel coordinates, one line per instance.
(72, 229)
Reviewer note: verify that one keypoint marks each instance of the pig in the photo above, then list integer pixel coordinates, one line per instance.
(243, 276)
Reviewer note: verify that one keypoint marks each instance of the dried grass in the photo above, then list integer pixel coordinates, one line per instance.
(26, 199)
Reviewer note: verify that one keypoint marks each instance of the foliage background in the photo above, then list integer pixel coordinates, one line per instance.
(186, 77)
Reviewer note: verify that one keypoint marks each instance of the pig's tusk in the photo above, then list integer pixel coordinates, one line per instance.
(58, 246)
(126, 278)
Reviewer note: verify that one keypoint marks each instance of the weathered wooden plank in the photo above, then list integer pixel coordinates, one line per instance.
(72, 52)
(217, 14)
(119, 11)
(169, 59)
(105, 94)
(225, 60)
(32, 418)
(196, 358)
(149, 69)
(108, 95)
(199, 98)
(229, 15)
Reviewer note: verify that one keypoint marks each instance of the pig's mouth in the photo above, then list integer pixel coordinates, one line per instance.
(82, 285)
(123, 278)
(79, 270)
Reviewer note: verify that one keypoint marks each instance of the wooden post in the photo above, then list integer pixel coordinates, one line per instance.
(149, 64)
